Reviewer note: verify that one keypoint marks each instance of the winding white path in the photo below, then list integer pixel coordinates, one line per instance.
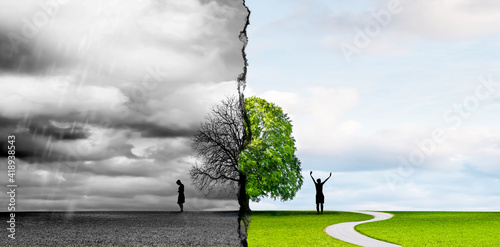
(345, 231)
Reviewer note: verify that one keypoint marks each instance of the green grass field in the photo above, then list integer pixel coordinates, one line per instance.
(297, 228)
(437, 229)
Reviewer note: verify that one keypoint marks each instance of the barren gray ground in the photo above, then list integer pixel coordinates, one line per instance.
(124, 229)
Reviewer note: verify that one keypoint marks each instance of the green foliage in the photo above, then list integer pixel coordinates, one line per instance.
(437, 229)
(269, 160)
(297, 228)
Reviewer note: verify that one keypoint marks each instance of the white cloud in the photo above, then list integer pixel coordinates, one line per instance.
(427, 190)
(449, 18)
(416, 23)
(198, 98)
(323, 130)
(318, 113)
(55, 96)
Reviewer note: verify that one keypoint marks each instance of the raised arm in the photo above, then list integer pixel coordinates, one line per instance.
(327, 178)
(311, 174)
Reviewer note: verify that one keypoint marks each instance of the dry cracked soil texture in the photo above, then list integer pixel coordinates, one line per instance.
(123, 229)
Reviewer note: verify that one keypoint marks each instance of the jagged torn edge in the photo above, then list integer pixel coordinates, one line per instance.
(242, 217)
(244, 38)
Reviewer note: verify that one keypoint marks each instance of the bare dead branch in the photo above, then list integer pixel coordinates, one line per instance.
(218, 143)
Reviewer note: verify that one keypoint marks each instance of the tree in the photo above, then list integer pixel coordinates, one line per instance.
(269, 161)
(218, 142)
(248, 148)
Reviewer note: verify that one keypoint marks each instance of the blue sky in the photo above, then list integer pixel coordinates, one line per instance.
(359, 117)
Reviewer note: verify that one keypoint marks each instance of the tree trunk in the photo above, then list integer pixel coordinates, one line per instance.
(244, 212)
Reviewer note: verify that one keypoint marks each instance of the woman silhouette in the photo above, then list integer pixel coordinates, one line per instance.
(320, 198)
(181, 199)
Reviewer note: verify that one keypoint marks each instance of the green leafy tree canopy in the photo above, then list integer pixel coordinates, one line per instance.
(269, 160)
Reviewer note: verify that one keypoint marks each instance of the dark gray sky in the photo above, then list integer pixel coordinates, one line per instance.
(103, 97)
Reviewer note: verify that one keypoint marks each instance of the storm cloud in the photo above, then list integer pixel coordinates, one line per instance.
(103, 97)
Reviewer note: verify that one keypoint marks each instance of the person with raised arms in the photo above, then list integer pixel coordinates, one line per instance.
(320, 198)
